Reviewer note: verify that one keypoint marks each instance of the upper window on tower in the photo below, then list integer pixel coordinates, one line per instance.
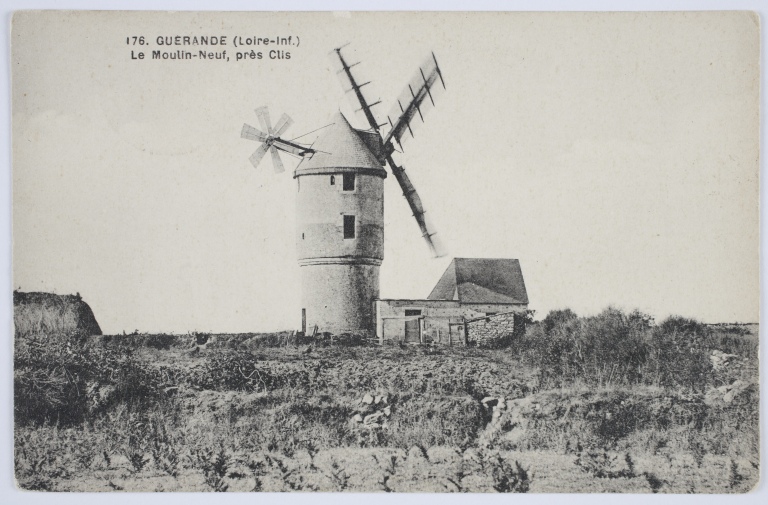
(333, 180)
(349, 182)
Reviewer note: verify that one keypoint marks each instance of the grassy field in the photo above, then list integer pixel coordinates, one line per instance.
(611, 403)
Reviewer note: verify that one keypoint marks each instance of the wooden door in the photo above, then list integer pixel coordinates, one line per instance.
(412, 330)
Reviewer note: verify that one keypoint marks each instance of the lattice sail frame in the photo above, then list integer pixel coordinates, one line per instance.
(417, 97)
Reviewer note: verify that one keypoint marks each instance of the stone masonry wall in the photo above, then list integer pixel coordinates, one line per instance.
(495, 330)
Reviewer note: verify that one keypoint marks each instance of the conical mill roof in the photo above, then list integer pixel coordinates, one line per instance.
(340, 146)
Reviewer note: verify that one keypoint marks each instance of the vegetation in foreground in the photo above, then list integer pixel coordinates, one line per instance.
(613, 402)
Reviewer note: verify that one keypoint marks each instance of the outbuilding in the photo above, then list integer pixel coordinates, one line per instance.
(475, 300)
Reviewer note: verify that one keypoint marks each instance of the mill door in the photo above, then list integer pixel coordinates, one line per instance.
(412, 333)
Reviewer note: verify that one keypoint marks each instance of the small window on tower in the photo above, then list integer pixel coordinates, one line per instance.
(349, 226)
(333, 180)
(412, 312)
(349, 182)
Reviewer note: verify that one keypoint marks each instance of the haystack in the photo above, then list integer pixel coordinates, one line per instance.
(50, 314)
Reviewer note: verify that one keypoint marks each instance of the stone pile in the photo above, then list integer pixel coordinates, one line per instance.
(507, 417)
(496, 406)
(373, 411)
(720, 360)
(727, 392)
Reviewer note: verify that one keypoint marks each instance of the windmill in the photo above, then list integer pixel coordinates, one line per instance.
(340, 195)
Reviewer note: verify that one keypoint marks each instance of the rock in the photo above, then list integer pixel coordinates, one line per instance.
(713, 396)
(357, 418)
(367, 399)
(720, 360)
(514, 435)
(373, 418)
(489, 401)
(387, 410)
(735, 389)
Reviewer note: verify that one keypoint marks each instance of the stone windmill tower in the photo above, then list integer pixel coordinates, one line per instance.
(340, 199)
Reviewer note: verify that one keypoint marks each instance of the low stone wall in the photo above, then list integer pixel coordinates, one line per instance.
(495, 330)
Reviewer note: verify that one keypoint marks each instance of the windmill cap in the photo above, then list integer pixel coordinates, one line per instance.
(341, 148)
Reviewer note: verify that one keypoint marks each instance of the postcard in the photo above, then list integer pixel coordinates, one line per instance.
(386, 251)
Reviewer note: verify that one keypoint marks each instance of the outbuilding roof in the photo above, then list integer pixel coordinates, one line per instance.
(482, 280)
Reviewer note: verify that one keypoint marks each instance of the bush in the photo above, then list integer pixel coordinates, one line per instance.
(679, 355)
(618, 348)
(602, 350)
(225, 369)
(433, 421)
(61, 378)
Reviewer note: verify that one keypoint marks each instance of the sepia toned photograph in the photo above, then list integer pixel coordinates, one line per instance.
(433, 252)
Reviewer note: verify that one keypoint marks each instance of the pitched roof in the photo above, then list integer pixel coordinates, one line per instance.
(340, 146)
(481, 280)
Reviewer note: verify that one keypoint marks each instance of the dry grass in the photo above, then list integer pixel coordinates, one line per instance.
(49, 314)
(263, 413)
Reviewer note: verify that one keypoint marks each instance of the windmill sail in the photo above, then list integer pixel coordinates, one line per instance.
(358, 91)
(415, 100)
(251, 133)
(414, 202)
(417, 97)
(271, 140)
(258, 154)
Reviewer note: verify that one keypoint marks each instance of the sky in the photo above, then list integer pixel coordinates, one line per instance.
(614, 155)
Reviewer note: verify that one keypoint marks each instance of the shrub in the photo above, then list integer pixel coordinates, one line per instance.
(225, 369)
(601, 350)
(430, 421)
(506, 477)
(558, 319)
(50, 376)
(38, 458)
(165, 445)
(61, 378)
(619, 348)
(603, 465)
(213, 461)
(679, 355)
